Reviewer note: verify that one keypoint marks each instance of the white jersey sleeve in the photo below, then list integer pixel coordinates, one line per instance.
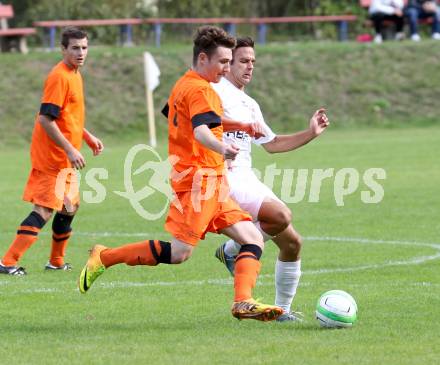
(270, 135)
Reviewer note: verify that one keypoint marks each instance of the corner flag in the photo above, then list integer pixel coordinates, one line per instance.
(152, 73)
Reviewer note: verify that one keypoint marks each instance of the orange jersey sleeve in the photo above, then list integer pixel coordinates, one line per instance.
(54, 95)
(204, 107)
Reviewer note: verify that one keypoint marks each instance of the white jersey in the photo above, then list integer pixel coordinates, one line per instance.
(241, 107)
(385, 6)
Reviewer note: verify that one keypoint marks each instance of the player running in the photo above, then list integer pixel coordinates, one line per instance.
(202, 203)
(56, 141)
(270, 215)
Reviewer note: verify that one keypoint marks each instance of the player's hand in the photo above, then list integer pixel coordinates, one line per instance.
(95, 144)
(319, 122)
(230, 151)
(255, 130)
(76, 159)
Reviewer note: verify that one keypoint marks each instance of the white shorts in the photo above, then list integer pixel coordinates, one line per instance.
(248, 191)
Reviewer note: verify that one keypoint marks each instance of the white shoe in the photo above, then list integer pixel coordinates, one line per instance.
(400, 36)
(291, 317)
(378, 39)
(436, 36)
(415, 38)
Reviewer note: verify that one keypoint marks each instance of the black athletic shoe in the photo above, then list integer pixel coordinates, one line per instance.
(12, 270)
(63, 267)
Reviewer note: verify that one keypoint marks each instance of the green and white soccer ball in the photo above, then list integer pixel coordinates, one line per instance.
(336, 309)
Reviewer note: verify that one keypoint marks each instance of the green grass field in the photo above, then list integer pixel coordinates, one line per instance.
(386, 255)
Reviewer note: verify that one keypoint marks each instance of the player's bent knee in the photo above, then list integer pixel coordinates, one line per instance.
(180, 252)
(179, 257)
(45, 213)
(71, 210)
(283, 217)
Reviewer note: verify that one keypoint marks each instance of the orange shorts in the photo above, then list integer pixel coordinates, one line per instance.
(52, 191)
(189, 221)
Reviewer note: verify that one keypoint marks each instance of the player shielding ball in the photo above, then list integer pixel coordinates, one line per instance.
(56, 141)
(195, 142)
(270, 215)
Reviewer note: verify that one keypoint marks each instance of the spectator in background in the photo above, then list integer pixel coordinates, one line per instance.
(381, 10)
(422, 9)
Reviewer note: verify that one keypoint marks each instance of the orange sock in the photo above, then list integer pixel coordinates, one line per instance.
(58, 251)
(26, 236)
(150, 253)
(247, 267)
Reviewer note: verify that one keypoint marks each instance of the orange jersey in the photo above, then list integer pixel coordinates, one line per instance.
(193, 102)
(63, 101)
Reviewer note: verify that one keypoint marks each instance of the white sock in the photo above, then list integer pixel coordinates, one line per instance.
(232, 248)
(287, 276)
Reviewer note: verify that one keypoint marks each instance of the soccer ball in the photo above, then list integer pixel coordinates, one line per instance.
(336, 309)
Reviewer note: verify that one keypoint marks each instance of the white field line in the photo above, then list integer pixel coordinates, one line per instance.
(367, 240)
(307, 238)
(126, 284)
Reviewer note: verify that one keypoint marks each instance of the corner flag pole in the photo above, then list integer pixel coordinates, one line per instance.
(152, 72)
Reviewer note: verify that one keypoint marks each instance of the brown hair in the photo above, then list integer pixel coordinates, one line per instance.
(244, 42)
(208, 38)
(72, 33)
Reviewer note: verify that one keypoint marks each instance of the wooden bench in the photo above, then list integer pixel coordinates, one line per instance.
(341, 22)
(11, 38)
(230, 24)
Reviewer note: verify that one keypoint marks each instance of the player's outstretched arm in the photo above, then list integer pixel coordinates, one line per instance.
(284, 143)
(204, 136)
(93, 142)
(51, 128)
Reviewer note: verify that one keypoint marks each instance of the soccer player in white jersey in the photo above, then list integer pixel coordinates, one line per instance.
(271, 216)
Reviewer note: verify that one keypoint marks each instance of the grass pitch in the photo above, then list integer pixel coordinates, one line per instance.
(386, 255)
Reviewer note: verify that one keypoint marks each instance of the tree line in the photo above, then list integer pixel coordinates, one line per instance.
(30, 10)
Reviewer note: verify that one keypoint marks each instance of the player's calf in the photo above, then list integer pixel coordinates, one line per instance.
(151, 253)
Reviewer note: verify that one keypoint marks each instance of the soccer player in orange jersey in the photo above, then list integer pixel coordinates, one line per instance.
(56, 141)
(202, 203)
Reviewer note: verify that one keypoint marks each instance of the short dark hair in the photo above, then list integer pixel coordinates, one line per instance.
(72, 33)
(242, 42)
(208, 38)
